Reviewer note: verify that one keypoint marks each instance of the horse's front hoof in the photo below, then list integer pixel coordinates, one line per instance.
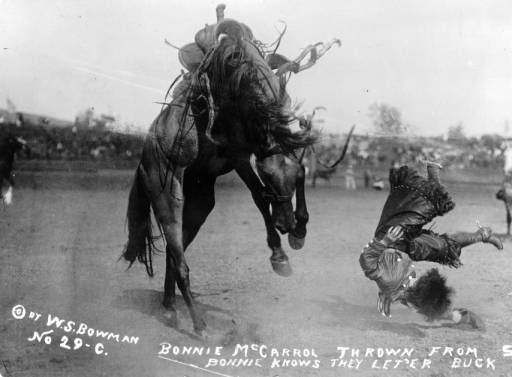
(202, 334)
(281, 267)
(296, 243)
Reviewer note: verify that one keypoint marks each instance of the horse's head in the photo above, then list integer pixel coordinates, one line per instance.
(279, 176)
(244, 89)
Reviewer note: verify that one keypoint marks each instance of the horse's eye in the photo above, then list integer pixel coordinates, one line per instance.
(269, 173)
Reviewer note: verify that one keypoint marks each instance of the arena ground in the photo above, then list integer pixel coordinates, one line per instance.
(62, 237)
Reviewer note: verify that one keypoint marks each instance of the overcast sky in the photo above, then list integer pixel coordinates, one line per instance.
(438, 61)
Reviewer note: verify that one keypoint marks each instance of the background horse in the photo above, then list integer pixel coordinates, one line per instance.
(230, 111)
(9, 145)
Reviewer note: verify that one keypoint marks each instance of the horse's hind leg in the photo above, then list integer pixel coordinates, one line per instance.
(199, 202)
(167, 205)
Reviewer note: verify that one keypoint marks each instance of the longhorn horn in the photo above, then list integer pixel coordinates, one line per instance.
(345, 148)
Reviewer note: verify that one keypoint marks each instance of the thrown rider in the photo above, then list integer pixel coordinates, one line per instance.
(400, 239)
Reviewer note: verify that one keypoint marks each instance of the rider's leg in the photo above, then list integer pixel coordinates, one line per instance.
(483, 234)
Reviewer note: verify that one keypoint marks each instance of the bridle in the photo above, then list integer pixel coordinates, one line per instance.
(267, 191)
(269, 194)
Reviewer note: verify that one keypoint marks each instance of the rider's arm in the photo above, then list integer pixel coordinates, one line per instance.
(392, 235)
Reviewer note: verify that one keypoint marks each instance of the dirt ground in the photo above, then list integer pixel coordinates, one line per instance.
(62, 237)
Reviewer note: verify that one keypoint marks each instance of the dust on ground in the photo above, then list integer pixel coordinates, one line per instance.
(62, 238)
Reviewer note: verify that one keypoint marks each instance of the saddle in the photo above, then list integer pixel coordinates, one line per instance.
(191, 55)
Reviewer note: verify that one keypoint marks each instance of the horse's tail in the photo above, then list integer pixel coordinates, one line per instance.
(140, 238)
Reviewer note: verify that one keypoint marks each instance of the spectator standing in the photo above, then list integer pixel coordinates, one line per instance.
(350, 182)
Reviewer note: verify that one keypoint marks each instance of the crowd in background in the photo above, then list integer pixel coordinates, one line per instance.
(370, 157)
(75, 142)
(371, 151)
(98, 142)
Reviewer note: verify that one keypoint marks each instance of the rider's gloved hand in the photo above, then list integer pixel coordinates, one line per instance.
(393, 234)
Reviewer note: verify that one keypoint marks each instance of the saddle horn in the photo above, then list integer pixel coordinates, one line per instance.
(220, 12)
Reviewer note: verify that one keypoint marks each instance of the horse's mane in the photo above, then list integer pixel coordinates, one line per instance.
(243, 86)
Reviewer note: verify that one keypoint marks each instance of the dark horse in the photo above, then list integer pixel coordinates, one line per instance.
(9, 145)
(231, 113)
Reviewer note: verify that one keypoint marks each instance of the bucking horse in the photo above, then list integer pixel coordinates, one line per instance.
(230, 111)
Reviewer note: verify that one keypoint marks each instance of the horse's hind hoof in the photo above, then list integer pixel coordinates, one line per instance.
(296, 243)
(202, 335)
(281, 267)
